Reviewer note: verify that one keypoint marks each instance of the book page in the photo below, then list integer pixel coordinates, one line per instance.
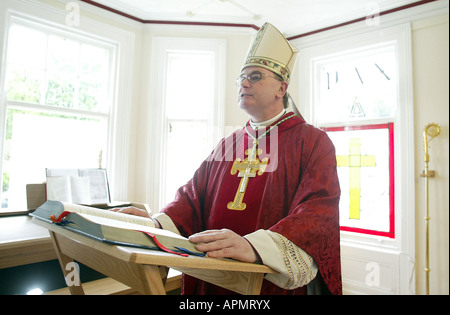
(58, 172)
(99, 191)
(129, 226)
(58, 188)
(109, 214)
(80, 189)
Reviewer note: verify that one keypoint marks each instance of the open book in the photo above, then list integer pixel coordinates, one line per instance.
(113, 227)
(69, 189)
(81, 186)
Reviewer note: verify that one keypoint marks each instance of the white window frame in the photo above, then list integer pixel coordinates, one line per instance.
(158, 134)
(122, 43)
(396, 254)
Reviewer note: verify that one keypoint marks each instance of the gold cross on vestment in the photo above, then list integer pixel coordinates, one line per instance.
(355, 161)
(248, 168)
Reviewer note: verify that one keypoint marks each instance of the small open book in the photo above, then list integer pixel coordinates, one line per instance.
(80, 186)
(113, 227)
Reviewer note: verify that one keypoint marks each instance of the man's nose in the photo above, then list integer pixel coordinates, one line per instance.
(245, 82)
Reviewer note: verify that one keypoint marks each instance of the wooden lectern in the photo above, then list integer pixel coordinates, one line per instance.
(146, 270)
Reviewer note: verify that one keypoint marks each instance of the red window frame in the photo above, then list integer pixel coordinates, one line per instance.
(390, 127)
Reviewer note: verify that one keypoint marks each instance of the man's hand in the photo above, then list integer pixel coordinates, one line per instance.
(224, 244)
(137, 212)
(132, 210)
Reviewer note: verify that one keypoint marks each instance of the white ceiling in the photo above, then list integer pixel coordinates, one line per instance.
(292, 17)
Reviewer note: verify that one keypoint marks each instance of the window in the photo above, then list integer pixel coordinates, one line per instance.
(365, 166)
(58, 105)
(189, 96)
(356, 91)
(189, 87)
(358, 86)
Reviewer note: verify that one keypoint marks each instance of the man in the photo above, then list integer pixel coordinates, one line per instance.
(268, 193)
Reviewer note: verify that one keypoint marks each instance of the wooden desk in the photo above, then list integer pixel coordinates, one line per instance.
(146, 270)
(22, 242)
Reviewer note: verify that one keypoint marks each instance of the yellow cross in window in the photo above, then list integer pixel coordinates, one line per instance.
(355, 161)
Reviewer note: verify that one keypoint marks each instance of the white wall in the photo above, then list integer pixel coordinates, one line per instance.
(430, 39)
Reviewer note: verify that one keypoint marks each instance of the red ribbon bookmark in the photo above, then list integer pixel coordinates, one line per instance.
(60, 218)
(161, 246)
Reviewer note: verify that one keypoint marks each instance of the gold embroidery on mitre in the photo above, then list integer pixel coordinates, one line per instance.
(272, 51)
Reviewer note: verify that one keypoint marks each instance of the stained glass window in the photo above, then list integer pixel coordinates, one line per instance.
(365, 165)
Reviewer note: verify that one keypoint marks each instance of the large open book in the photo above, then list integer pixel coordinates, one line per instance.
(113, 227)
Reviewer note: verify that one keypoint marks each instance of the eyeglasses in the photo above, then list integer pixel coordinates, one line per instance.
(252, 77)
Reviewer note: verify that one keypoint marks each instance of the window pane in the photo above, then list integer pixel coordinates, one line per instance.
(55, 70)
(93, 66)
(358, 86)
(26, 64)
(93, 78)
(189, 92)
(27, 47)
(363, 165)
(36, 141)
(187, 147)
(63, 56)
(60, 91)
(189, 88)
(24, 84)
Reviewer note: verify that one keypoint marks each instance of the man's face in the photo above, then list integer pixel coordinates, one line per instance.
(261, 95)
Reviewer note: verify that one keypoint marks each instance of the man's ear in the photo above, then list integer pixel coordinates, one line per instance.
(283, 89)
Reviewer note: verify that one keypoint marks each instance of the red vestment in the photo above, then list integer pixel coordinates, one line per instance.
(296, 196)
